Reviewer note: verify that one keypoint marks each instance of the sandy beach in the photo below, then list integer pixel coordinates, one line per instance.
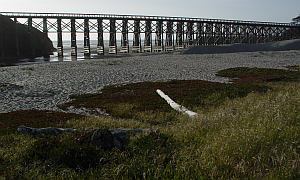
(43, 86)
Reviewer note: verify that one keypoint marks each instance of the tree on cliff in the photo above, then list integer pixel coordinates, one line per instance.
(16, 41)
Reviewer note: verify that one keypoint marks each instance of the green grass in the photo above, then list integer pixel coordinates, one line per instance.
(247, 129)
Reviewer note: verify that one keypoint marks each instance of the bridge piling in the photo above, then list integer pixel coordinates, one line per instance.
(60, 51)
(73, 38)
(45, 34)
(158, 37)
(218, 34)
(136, 37)
(169, 37)
(100, 44)
(124, 39)
(148, 37)
(17, 38)
(190, 34)
(31, 38)
(87, 48)
(1, 39)
(199, 33)
(112, 37)
(178, 44)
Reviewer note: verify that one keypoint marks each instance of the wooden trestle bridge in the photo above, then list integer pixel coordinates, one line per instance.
(158, 33)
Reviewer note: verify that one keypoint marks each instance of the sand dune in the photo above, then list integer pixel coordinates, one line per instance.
(233, 48)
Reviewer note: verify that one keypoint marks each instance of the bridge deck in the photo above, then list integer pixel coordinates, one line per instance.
(137, 17)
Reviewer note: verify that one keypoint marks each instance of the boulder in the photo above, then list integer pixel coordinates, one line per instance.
(103, 138)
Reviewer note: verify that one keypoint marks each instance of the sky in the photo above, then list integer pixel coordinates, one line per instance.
(249, 10)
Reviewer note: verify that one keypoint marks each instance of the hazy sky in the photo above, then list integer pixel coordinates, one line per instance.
(253, 10)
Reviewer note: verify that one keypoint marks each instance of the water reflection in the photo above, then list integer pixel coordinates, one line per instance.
(54, 58)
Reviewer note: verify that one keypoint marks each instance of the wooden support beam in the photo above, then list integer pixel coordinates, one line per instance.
(73, 38)
(169, 34)
(159, 42)
(31, 38)
(179, 34)
(199, 34)
(209, 34)
(100, 45)
(112, 37)
(60, 50)
(17, 38)
(45, 37)
(148, 39)
(1, 38)
(87, 48)
(190, 33)
(136, 37)
(124, 39)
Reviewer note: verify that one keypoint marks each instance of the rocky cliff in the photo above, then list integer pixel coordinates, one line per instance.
(22, 44)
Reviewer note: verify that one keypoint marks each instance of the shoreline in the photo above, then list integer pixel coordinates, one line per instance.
(212, 49)
(45, 85)
(80, 57)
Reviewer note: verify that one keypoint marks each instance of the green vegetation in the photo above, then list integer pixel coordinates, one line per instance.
(126, 101)
(247, 129)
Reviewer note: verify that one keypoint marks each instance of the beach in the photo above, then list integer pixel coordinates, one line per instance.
(42, 86)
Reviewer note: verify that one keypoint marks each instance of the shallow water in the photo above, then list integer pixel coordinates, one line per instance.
(67, 57)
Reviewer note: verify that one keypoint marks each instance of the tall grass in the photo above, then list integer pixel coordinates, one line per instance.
(254, 136)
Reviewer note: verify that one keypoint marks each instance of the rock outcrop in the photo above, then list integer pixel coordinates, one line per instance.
(16, 41)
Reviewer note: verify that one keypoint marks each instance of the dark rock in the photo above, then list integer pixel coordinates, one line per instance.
(103, 138)
(117, 143)
(122, 135)
(21, 44)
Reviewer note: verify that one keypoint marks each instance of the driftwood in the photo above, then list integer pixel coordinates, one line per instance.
(111, 137)
(50, 130)
(53, 130)
(176, 106)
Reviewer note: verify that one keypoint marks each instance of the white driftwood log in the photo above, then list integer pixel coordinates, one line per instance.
(176, 106)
